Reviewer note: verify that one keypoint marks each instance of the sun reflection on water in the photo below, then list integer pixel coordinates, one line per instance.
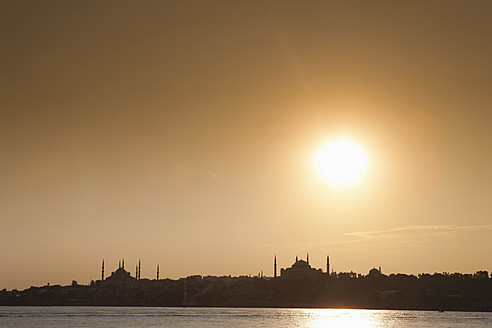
(317, 318)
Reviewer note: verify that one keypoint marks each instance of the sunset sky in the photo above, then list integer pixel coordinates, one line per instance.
(185, 133)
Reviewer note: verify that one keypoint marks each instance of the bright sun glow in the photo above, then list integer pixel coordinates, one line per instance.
(341, 161)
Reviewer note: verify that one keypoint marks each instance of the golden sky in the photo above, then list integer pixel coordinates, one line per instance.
(183, 133)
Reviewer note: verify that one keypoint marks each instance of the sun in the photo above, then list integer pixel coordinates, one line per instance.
(341, 161)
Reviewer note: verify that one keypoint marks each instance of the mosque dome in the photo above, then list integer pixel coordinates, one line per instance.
(301, 264)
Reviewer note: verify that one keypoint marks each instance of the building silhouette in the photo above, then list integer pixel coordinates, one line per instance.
(375, 273)
(301, 270)
(121, 276)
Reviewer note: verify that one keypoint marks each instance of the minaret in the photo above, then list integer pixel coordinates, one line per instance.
(380, 269)
(119, 264)
(136, 271)
(139, 267)
(123, 264)
(275, 267)
(157, 271)
(102, 271)
(297, 259)
(307, 258)
(327, 264)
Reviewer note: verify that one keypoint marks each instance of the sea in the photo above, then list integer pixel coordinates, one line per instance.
(136, 317)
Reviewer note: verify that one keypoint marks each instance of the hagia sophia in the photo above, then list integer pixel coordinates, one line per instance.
(300, 269)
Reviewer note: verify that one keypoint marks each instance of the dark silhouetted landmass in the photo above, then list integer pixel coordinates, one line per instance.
(439, 291)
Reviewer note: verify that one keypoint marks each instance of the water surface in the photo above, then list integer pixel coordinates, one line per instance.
(136, 317)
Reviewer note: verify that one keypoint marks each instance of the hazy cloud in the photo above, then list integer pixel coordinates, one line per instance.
(414, 235)
(422, 233)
